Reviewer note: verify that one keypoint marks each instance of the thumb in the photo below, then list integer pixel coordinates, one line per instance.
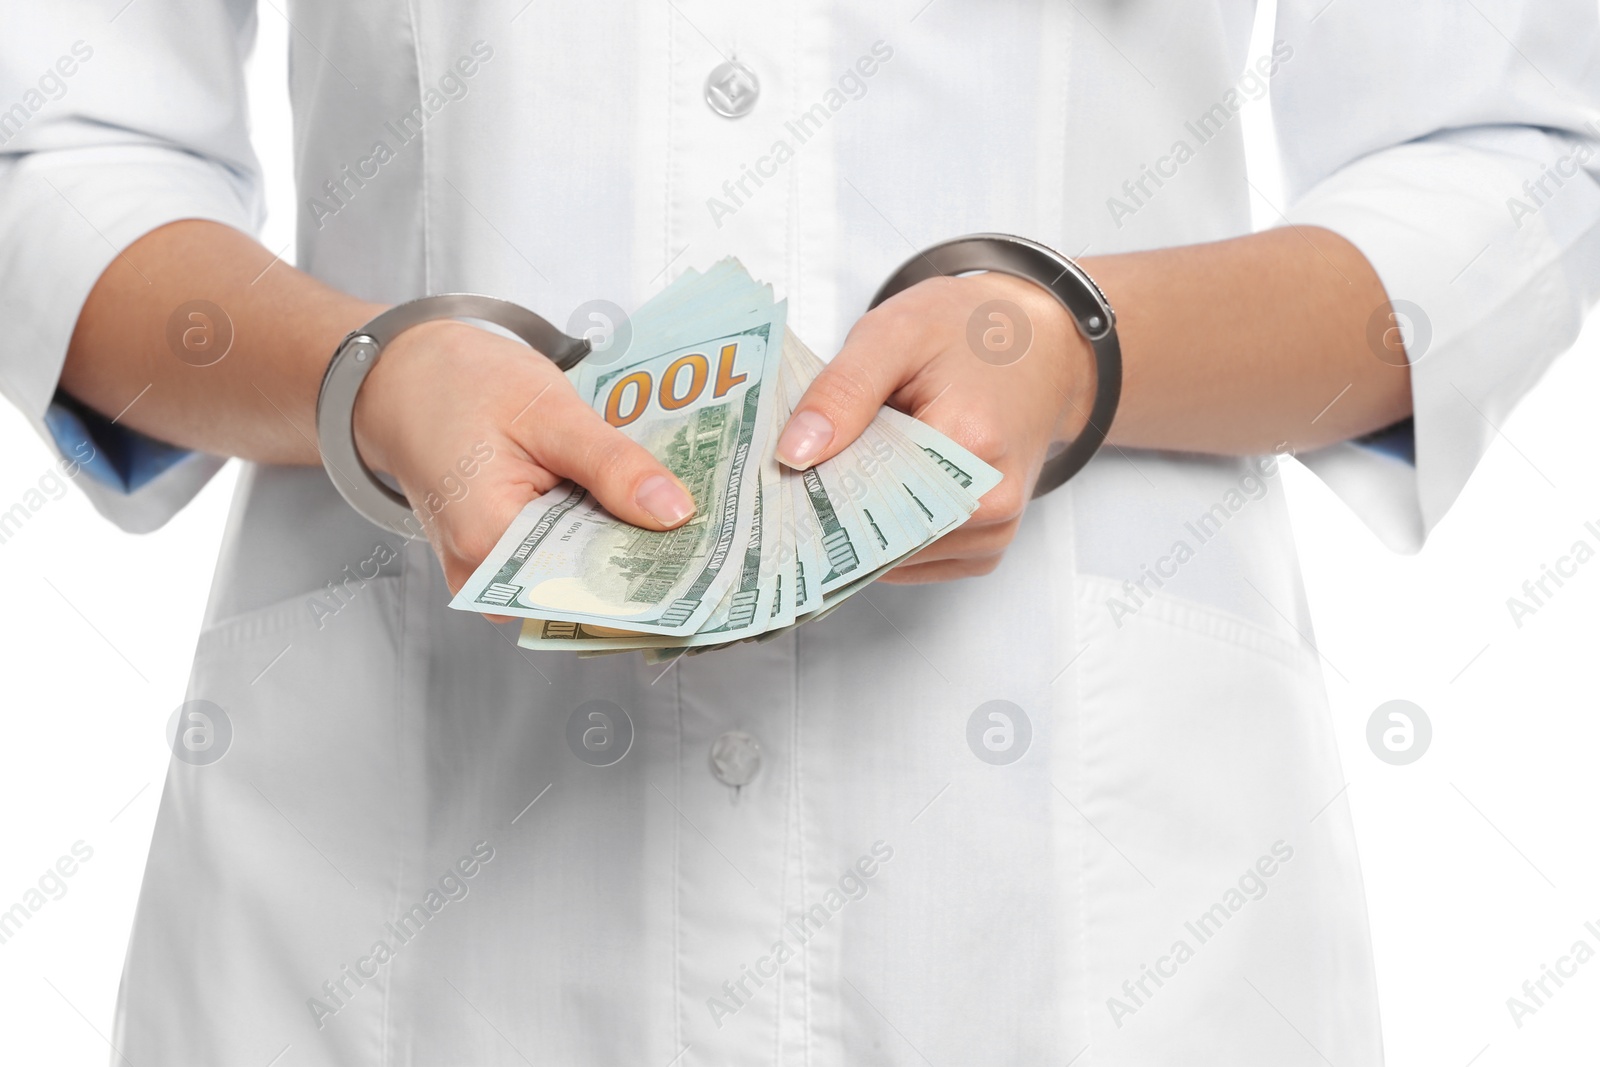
(574, 442)
(844, 398)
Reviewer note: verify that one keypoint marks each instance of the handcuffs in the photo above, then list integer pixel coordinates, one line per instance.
(358, 353)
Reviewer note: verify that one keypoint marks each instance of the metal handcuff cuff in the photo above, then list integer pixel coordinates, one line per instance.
(358, 353)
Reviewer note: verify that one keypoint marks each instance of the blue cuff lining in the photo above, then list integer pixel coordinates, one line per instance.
(1399, 441)
(124, 459)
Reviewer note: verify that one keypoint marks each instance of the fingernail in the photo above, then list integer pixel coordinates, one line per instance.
(807, 434)
(666, 501)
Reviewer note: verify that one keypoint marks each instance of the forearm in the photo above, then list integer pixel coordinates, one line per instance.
(1251, 344)
(1238, 346)
(259, 400)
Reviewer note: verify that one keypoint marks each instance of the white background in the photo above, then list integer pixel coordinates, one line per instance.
(1479, 858)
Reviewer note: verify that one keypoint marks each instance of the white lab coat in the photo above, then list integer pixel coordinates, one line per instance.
(1166, 874)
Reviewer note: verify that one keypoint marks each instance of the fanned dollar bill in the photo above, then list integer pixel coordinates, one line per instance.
(706, 385)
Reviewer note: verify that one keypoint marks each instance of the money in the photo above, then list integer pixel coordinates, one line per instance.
(709, 380)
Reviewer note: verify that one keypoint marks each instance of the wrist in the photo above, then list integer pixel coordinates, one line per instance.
(395, 390)
(1075, 361)
(1062, 356)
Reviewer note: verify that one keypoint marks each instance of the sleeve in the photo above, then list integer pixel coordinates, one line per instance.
(1458, 147)
(112, 124)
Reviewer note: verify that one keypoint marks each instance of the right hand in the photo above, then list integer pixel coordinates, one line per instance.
(448, 398)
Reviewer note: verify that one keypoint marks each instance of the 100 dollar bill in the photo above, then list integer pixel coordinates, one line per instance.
(702, 410)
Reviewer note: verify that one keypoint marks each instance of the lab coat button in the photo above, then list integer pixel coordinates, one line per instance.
(732, 89)
(735, 758)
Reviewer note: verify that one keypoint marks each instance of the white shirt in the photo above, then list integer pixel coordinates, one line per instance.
(1164, 870)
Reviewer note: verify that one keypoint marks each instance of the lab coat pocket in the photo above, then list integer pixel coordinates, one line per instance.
(1223, 856)
(280, 833)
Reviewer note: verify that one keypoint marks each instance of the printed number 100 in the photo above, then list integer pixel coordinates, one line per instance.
(630, 396)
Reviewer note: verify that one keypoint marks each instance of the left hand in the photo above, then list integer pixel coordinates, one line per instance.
(1004, 402)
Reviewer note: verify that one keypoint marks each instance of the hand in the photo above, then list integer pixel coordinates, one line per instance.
(1005, 403)
(473, 426)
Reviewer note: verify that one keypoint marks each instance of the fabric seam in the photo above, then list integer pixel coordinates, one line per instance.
(677, 873)
(422, 134)
(1203, 620)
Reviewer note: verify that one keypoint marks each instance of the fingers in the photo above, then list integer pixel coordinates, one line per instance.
(974, 549)
(877, 358)
(944, 570)
(967, 542)
(465, 532)
(574, 441)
